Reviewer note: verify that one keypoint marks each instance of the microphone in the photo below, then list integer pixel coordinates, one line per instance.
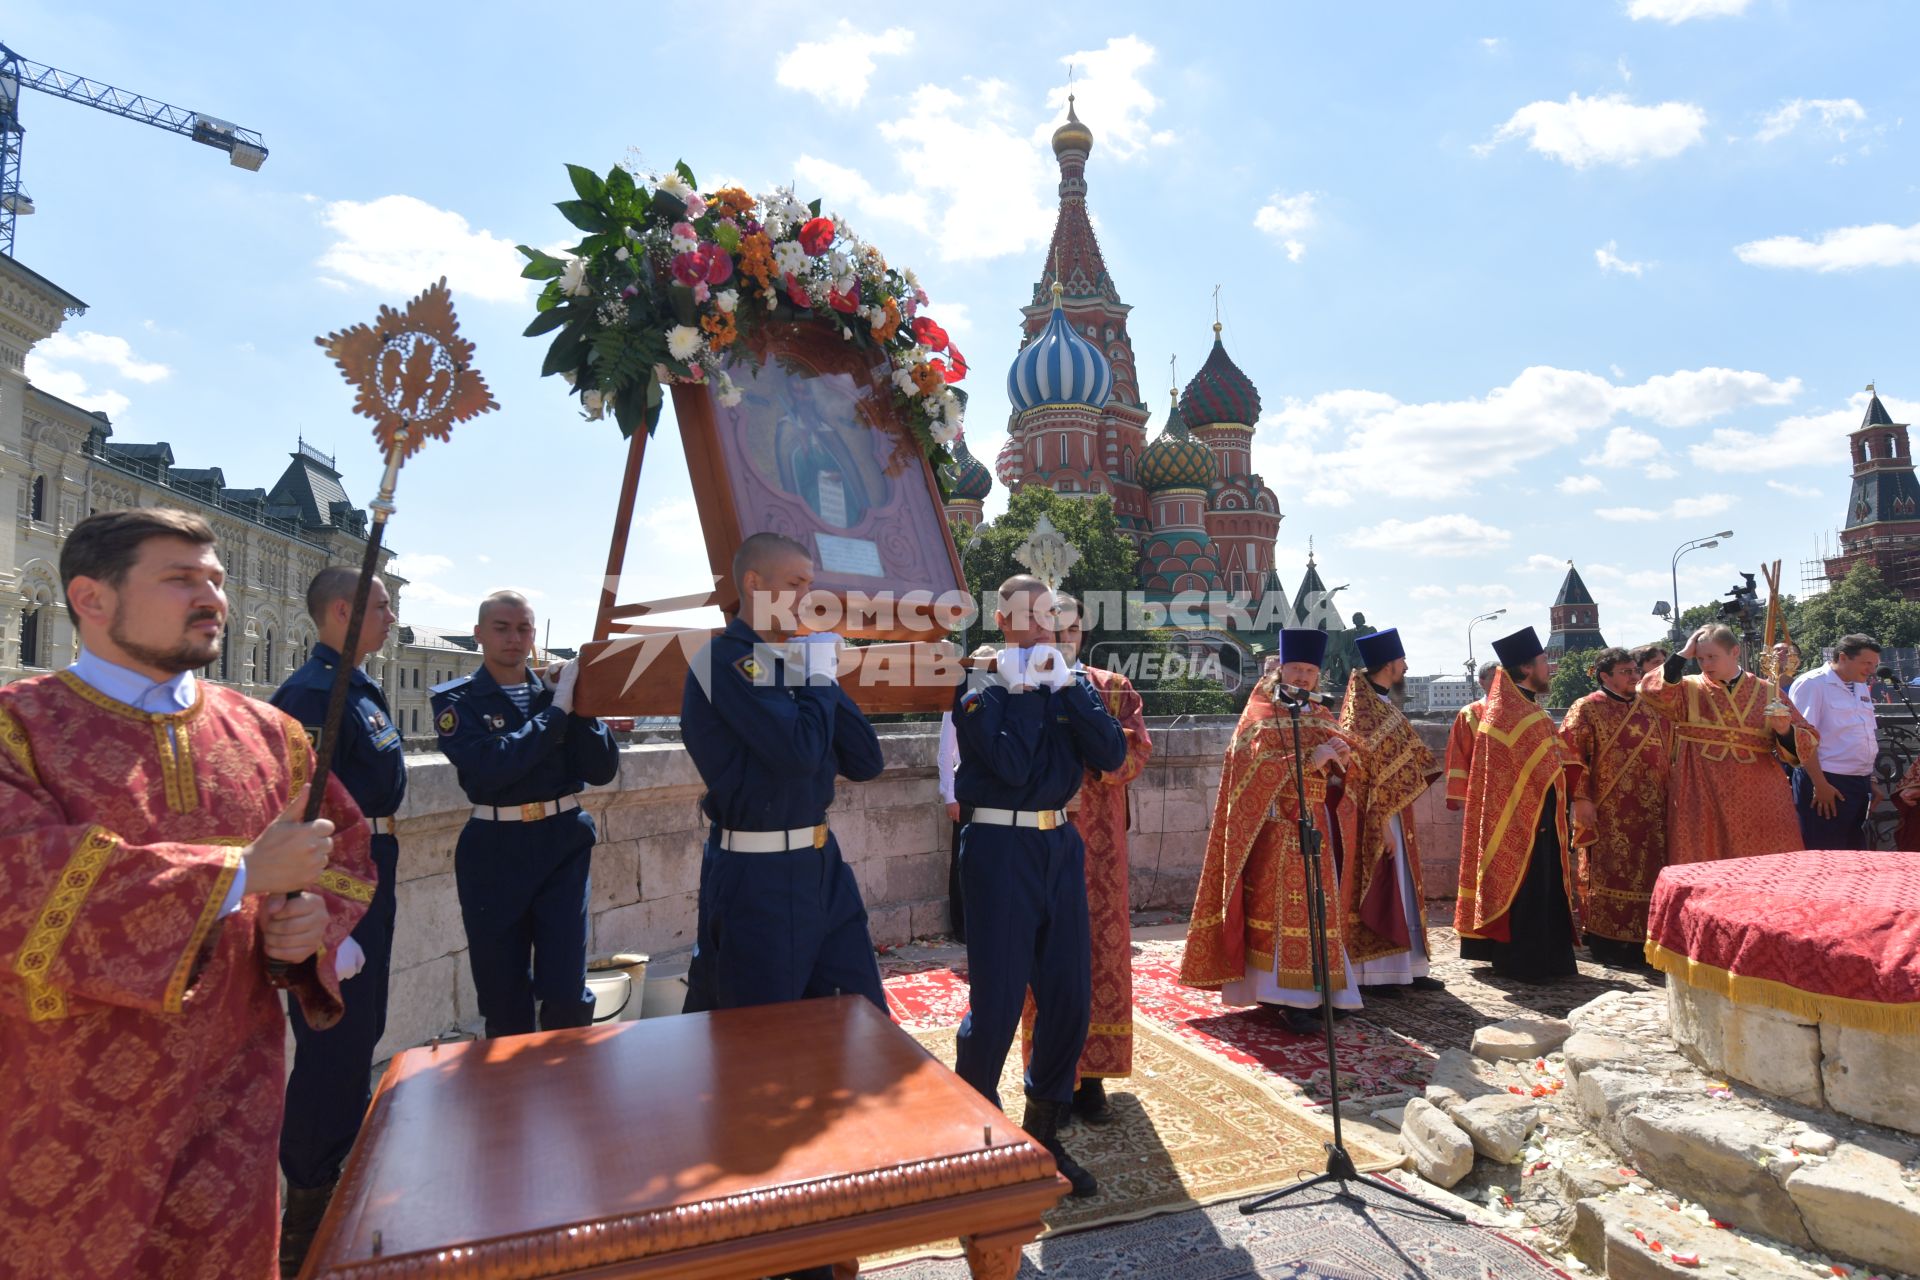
(1291, 694)
(1887, 674)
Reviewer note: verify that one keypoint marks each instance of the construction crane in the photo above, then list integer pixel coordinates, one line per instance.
(244, 147)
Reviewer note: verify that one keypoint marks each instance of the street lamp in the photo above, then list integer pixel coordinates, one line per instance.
(1698, 544)
(1485, 617)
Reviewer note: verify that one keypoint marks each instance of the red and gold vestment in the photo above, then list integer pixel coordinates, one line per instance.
(1624, 747)
(1396, 768)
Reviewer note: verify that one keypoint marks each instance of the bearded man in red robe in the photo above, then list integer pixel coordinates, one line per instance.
(149, 841)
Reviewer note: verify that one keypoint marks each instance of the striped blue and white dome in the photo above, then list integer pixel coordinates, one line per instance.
(1058, 367)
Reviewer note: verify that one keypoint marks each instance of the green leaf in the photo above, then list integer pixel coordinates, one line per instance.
(565, 354)
(629, 411)
(540, 266)
(585, 216)
(727, 237)
(668, 207)
(587, 183)
(547, 322)
(686, 174)
(814, 205)
(685, 310)
(620, 184)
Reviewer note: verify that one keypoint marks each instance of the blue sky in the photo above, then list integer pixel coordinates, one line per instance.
(1518, 282)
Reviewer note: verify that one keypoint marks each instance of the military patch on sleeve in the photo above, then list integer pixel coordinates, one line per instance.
(751, 668)
(313, 736)
(971, 702)
(447, 722)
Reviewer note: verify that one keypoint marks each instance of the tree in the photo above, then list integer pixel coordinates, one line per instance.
(1188, 695)
(1862, 602)
(1107, 564)
(1571, 679)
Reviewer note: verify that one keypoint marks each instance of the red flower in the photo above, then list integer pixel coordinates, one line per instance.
(939, 366)
(709, 264)
(959, 369)
(929, 335)
(796, 294)
(816, 236)
(719, 264)
(848, 302)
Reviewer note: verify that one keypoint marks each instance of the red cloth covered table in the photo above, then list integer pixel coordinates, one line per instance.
(1831, 936)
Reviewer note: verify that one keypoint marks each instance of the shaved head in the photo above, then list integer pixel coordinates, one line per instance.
(762, 552)
(1025, 615)
(504, 599)
(333, 583)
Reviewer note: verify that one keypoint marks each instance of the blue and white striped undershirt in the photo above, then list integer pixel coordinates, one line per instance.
(522, 694)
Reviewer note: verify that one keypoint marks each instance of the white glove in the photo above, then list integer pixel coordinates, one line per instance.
(348, 959)
(819, 654)
(563, 686)
(1048, 668)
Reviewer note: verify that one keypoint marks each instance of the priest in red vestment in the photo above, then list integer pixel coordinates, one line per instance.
(1249, 935)
(149, 835)
(1102, 818)
(1624, 748)
(1513, 908)
(1382, 896)
(1727, 796)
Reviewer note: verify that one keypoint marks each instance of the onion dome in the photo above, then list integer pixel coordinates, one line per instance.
(1058, 367)
(1072, 136)
(1175, 460)
(1220, 392)
(967, 477)
(1012, 458)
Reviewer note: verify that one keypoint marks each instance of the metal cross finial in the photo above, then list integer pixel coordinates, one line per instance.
(1047, 554)
(1870, 390)
(1216, 304)
(1173, 374)
(1309, 548)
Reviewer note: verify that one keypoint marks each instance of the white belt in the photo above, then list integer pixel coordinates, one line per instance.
(526, 812)
(1044, 819)
(384, 826)
(773, 841)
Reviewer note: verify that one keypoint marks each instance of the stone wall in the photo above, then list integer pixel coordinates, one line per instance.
(892, 831)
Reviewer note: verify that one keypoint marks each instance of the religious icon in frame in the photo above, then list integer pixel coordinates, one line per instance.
(815, 449)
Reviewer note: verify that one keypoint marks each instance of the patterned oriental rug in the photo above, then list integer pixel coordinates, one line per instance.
(1189, 1130)
(1311, 1236)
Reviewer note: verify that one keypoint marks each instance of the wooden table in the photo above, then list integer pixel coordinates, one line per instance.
(702, 1147)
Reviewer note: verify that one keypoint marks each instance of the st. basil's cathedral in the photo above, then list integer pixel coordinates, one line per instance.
(1201, 519)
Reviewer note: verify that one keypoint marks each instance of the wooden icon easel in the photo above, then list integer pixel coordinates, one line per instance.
(635, 668)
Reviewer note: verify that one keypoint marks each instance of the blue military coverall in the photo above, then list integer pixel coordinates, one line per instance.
(332, 1075)
(1025, 888)
(787, 924)
(522, 869)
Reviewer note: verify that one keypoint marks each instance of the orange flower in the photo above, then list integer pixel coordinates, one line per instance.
(732, 199)
(929, 379)
(756, 258)
(720, 329)
(889, 323)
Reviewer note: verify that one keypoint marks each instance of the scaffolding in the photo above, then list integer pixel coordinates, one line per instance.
(1813, 573)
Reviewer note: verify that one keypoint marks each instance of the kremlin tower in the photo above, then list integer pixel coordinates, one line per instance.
(1883, 511)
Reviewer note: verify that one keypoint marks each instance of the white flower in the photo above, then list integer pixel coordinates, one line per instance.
(912, 279)
(573, 281)
(676, 186)
(621, 254)
(950, 407)
(730, 394)
(789, 258)
(684, 342)
(727, 300)
(568, 375)
(944, 431)
(904, 380)
(594, 403)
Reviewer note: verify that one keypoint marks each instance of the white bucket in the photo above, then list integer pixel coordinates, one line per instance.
(617, 983)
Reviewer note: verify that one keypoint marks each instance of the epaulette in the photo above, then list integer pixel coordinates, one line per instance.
(450, 685)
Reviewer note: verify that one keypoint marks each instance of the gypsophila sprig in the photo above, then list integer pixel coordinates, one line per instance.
(667, 280)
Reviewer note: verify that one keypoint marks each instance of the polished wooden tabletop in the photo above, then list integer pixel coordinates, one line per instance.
(665, 1133)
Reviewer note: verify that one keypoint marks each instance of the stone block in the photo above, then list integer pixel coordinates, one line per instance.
(1871, 1075)
(1520, 1039)
(1603, 1239)
(1856, 1205)
(1585, 1050)
(931, 919)
(1440, 1152)
(1606, 1097)
(657, 926)
(1589, 1015)
(1499, 1124)
(1185, 814)
(616, 875)
(1720, 1157)
(426, 921)
(1458, 1078)
(903, 829)
(915, 877)
(891, 926)
(669, 864)
(1772, 1051)
(420, 1004)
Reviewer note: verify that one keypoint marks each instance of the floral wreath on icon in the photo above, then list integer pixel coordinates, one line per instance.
(667, 280)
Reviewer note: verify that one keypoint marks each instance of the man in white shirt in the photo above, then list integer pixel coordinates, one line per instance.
(1832, 789)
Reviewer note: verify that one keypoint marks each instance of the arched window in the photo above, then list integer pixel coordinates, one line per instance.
(37, 508)
(269, 672)
(30, 637)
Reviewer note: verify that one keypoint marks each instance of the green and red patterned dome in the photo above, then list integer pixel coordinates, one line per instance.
(1175, 460)
(967, 477)
(1220, 392)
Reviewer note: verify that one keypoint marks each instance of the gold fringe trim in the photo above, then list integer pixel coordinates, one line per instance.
(342, 885)
(13, 737)
(1843, 1011)
(46, 1002)
(174, 1000)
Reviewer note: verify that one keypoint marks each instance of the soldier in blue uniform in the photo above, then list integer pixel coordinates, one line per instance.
(332, 1076)
(521, 865)
(1029, 730)
(768, 726)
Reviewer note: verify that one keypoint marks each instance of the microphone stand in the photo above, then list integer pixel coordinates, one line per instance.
(1340, 1169)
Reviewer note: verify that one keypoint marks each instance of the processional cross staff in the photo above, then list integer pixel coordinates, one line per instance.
(414, 376)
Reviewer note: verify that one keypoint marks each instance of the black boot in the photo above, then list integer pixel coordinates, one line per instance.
(1379, 991)
(1042, 1123)
(1090, 1101)
(299, 1222)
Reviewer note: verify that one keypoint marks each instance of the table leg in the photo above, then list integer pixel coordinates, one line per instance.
(997, 1256)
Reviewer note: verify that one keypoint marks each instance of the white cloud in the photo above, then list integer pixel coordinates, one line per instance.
(1832, 116)
(1443, 448)
(419, 565)
(1286, 218)
(1625, 447)
(1110, 97)
(85, 347)
(1673, 11)
(1793, 490)
(1659, 471)
(1326, 496)
(946, 140)
(1447, 535)
(1706, 504)
(401, 244)
(1607, 258)
(72, 387)
(1429, 591)
(1609, 129)
(1492, 44)
(1802, 441)
(845, 189)
(836, 70)
(1843, 249)
(103, 357)
(1582, 484)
